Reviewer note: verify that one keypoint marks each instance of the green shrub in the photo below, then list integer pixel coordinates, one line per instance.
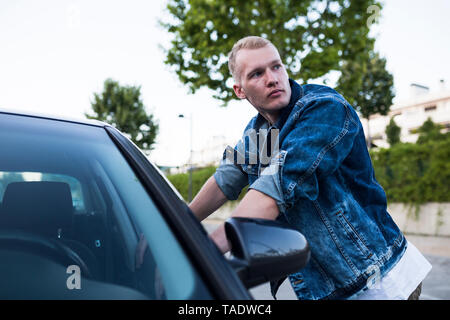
(199, 177)
(414, 173)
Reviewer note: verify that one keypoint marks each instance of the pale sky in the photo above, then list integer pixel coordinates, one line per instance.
(54, 54)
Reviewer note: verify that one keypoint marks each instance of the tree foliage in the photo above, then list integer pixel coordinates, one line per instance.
(313, 37)
(368, 86)
(122, 107)
(393, 132)
(371, 93)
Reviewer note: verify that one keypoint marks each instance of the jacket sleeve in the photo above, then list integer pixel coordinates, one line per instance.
(321, 138)
(230, 178)
(269, 181)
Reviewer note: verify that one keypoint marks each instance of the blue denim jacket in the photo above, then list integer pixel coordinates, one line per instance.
(321, 176)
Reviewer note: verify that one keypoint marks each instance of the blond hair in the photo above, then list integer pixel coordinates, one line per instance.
(250, 42)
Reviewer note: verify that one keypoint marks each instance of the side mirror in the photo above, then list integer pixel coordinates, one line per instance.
(265, 250)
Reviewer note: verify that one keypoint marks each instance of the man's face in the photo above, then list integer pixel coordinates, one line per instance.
(262, 79)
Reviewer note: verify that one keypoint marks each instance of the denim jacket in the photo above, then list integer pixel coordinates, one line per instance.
(320, 173)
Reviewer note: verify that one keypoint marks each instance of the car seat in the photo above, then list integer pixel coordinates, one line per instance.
(44, 208)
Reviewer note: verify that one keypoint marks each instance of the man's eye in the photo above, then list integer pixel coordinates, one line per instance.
(255, 74)
(276, 67)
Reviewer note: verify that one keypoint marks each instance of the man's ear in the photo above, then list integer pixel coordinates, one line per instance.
(239, 91)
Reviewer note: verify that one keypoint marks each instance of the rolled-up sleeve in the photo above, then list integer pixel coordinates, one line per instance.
(269, 181)
(321, 139)
(229, 176)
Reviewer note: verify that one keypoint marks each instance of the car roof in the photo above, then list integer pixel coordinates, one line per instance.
(31, 114)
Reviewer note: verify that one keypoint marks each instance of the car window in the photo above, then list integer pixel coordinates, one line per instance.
(69, 183)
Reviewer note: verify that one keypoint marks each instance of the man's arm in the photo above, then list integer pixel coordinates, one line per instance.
(255, 204)
(209, 199)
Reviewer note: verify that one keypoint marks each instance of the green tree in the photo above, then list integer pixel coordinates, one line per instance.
(393, 132)
(430, 131)
(122, 107)
(313, 37)
(373, 92)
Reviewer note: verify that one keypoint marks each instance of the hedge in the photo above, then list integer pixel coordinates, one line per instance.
(199, 177)
(414, 173)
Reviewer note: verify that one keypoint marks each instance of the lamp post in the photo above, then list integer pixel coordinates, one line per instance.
(190, 157)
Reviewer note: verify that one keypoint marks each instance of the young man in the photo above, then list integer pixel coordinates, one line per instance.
(318, 178)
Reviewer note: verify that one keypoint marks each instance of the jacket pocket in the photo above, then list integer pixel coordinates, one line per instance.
(352, 233)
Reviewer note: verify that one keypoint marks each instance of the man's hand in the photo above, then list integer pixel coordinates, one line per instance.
(255, 204)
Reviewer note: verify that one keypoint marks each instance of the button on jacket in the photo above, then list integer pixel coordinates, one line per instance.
(320, 173)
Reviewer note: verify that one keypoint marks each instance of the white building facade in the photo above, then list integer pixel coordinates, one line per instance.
(410, 114)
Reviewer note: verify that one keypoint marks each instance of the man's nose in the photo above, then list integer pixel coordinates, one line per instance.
(271, 79)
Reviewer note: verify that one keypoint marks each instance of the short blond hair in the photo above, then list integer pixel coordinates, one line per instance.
(250, 42)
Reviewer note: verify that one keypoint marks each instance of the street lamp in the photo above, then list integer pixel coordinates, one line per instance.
(190, 157)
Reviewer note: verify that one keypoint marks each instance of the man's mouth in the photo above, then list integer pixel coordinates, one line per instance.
(275, 93)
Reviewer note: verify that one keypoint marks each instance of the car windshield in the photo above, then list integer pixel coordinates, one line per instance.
(68, 183)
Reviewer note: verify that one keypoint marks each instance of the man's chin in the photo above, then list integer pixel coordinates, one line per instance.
(278, 105)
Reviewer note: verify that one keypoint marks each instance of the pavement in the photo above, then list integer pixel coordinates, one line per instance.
(436, 286)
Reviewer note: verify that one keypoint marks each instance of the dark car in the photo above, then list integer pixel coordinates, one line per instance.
(80, 203)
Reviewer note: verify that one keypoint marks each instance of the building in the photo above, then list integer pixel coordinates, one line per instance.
(410, 114)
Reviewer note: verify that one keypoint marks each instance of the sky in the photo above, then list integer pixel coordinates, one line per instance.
(55, 54)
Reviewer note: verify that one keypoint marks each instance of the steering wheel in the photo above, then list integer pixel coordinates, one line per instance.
(43, 246)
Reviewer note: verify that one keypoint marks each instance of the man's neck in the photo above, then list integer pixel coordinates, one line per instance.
(270, 117)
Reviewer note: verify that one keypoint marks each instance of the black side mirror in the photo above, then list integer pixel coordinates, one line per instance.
(265, 250)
